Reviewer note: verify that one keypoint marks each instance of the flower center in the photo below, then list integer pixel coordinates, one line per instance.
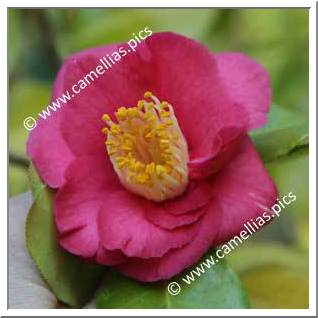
(147, 149)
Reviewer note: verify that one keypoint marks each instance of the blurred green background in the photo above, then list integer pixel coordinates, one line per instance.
(274, 264)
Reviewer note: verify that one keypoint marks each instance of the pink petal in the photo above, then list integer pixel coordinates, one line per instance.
(243, 189)
(175, 261)
(109, 258)
(46, 146)
(162, 218)
(197, 195)
(123, 225)
(183, 210)
(247, 83)
(84, 234)
(226, 144)
(77, 205)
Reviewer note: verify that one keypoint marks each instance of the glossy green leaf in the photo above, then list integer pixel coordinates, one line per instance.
(218, 287)
(72, 280)
(286, 130)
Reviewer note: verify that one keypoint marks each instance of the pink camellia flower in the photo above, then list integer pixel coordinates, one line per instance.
(178, 174)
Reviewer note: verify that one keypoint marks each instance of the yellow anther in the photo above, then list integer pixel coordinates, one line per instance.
(146, 129)
(121, 165)
(133, 112)
(165, 105)
(105, 130)
(131, 163)
(128, 141)
(109, 143)
(160, 170)
(139, 166)
(162, 134)
(142, 178)
(147, 94)
(150, 106)
(168, 168)
(128, 136)
(164, 113)
(149, 117)
(168, 123)
(126, 148)
(112, 152)
(150, 168)
(121, 161)
(121, 113)
(161, 128)
(115, 129)
(140, 104)
(170, 162)
(151, 134)
(106, 118)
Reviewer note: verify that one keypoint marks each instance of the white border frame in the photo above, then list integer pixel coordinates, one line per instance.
(4, 5)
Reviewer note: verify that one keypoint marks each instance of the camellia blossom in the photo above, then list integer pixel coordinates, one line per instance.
(152, 162)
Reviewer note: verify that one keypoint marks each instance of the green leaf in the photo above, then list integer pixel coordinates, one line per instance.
(218, 287)
(291, 173)
(35, 182)
(72, 280)
(285, 131)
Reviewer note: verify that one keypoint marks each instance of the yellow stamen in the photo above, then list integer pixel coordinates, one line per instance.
(106, 118)
(147, 94)
(147, 149)
(105, 130)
